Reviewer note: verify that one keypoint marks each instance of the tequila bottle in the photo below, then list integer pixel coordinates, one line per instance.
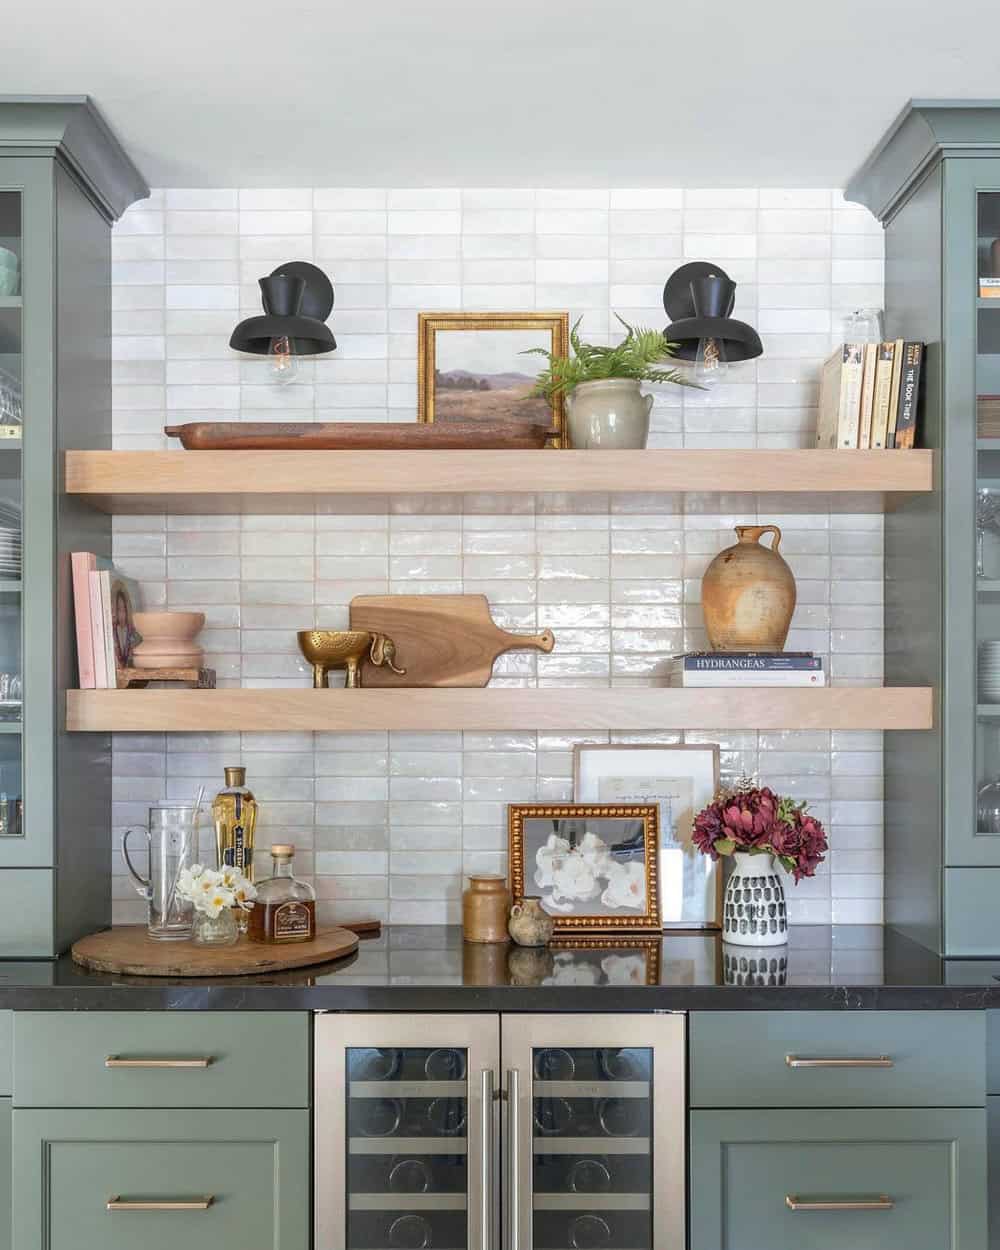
(234, 812)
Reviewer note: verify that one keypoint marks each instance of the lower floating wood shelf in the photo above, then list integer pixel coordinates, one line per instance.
(499, 708)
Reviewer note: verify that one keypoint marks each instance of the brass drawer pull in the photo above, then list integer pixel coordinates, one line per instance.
(116, 1061)
(876, 1061)
(876, 1202)
(118, 1203)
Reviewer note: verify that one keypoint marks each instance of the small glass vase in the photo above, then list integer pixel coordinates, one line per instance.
(220, 930)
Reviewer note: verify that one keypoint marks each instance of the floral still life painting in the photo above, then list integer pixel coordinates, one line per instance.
(593, 867)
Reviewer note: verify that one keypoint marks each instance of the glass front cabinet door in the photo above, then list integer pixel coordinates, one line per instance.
(452, 1132)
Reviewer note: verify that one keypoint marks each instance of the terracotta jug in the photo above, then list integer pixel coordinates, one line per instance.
(748, 594)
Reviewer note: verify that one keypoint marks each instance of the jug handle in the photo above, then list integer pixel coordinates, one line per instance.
(516, 910)
(144, 887)
(757, 532)
(649, 400)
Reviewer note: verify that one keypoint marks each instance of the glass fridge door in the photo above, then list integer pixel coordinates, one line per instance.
(594, 1132)
(11, 373)
(405, 1133)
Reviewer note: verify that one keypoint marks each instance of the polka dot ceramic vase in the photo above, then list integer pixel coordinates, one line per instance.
(754, 908)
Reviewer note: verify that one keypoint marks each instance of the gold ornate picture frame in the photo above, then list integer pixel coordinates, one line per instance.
(593, 866)
(470, 367)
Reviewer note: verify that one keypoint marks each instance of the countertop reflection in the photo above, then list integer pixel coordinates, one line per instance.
(432, 969)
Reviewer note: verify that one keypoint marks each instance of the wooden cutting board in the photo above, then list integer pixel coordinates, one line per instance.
(441, 640)
(129, 949)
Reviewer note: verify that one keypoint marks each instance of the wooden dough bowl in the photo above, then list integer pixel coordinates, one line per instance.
(131, 951)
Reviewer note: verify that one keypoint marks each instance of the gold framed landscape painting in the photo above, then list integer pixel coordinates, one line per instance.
(471, 367)
(592, 866)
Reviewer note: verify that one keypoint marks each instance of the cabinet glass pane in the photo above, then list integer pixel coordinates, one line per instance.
(988, 515)
(11, 277)
(407, 1148)
(592, 1158)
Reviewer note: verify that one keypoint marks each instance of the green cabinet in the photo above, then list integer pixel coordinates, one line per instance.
(829, 1180)
(117, 1180)
(934, 182)
(63, 181)
(838, 1059)
(162, 1059)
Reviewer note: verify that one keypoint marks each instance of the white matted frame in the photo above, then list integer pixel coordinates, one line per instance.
(682, 779)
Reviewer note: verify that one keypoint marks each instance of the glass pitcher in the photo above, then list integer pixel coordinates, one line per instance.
(172, 846)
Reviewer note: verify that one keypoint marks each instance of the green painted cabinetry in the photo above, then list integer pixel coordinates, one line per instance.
(159, 1180)
(911, 1179)
(934, 183)
(838, 1059)
(162, 1059)
(63, 181)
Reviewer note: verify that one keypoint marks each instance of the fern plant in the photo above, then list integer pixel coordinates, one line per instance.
(637, 356)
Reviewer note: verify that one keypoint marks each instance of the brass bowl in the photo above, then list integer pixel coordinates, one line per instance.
(335, 648)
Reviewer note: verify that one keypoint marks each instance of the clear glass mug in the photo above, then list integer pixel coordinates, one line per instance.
(172, 846)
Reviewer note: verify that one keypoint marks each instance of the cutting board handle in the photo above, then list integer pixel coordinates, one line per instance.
(544, 641)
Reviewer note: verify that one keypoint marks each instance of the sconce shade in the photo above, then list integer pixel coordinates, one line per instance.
(698, 298)
(297, 298)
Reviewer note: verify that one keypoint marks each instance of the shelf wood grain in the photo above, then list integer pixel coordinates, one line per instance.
(499, 708)
(289, 481)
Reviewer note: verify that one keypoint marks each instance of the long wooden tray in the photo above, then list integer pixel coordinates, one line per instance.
(357, 435)
(130, 950)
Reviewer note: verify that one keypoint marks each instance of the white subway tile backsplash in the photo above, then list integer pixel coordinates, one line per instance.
(389, 824)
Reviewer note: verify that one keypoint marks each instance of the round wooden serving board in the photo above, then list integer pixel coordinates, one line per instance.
(130, 950)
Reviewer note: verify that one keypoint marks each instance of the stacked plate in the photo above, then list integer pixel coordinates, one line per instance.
(10, 541)
(989, 672)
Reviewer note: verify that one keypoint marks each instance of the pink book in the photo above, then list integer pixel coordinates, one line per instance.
(97, 631)
(82, 564)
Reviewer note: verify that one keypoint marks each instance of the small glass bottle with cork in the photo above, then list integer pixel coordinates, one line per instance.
(285, 908)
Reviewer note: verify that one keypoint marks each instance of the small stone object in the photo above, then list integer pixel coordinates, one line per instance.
(530, 924)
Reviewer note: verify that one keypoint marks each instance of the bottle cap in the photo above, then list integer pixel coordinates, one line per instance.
(282, 850)
(236, 776)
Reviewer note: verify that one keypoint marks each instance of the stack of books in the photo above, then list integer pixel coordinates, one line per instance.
(869, 396)
(104, 603)
(747, 668)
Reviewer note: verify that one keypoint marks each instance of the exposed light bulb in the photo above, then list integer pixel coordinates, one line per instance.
(284, 366)
(710, 364)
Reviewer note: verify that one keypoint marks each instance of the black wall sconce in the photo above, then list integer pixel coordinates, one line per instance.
(699, 298)
(297, 299)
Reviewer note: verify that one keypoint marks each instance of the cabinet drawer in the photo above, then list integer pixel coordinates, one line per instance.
(749, 1167)
(767, 1059)
(85, 1059)
(253, 1166)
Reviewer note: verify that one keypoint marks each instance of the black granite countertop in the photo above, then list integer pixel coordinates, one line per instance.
(853, 967)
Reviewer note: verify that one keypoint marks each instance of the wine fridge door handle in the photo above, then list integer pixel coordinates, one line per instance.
(513, 1185)
(486, 1172)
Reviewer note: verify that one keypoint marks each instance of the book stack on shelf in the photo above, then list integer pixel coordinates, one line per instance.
(746, 668)
(869, 396)
(103, 603)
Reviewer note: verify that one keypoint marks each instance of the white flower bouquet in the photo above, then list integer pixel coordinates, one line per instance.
(212, 891)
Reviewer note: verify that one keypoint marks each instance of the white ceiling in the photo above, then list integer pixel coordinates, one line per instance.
(501, 92)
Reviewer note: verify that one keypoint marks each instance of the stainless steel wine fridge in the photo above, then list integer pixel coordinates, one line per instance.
(513, 1132)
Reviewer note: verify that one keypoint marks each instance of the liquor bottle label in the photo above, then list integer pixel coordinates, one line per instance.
(239, 849)
(292, 920)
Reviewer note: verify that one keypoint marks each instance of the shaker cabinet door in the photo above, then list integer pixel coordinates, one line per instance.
(160, 1180)
(838, 1180)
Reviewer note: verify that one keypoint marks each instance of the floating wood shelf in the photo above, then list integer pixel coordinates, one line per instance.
(289, 481)
(500, 708)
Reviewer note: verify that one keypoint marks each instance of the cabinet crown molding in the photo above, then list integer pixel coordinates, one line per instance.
(71, 130)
